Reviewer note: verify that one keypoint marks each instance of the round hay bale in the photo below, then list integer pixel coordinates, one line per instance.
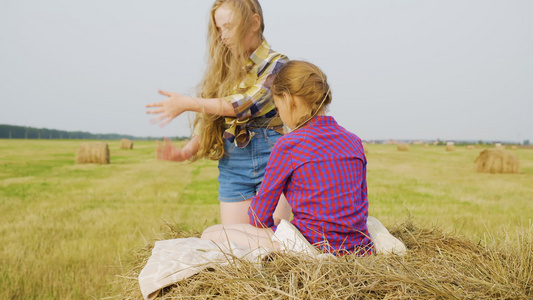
(426, 146)
(403, 147)
(514, 147)
(470, 147)
(126, 144)
(450, 148)
(93, 153)
(497, 161)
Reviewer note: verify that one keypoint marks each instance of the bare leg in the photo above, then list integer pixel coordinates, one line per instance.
(244, 235)
(234, 212)
(237, 212)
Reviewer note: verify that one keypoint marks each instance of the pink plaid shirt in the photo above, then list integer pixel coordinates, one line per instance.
(321, 169)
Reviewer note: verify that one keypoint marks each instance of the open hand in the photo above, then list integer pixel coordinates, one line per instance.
(175, 105)
(167, 151)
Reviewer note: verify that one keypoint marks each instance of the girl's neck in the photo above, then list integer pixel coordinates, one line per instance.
(254, 44)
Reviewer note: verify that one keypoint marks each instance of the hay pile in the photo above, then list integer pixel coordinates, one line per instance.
(126, 144)
(403, 147)
(93, 153)
(437, 266)
(470, 147)
(450, 148)
(497, 161)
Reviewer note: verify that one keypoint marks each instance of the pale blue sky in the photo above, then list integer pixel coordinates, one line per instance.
(450, 69)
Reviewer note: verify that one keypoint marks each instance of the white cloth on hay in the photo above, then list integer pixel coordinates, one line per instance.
(384, 243)
(177, 259)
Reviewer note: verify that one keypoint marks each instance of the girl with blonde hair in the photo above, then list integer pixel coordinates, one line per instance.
(237, 122)
(319, 166)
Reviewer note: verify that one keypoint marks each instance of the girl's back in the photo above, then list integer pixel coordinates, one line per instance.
(327, 188)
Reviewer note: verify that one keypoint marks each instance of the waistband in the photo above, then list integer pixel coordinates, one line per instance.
(238, 131)
(255, 123)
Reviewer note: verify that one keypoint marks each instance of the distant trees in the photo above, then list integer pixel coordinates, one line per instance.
(22, 132)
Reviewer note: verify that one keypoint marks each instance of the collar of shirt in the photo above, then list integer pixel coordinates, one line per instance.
(260, 54)
(321, 121)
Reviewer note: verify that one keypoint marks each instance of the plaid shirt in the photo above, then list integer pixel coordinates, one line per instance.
(253, 98)
(321, 169)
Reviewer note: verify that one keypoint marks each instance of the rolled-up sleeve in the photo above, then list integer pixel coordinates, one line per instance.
(257, 98)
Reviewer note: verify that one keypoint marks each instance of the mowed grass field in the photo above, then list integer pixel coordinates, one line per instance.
(69, 231)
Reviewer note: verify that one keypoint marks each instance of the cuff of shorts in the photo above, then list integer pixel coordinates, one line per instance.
(239, 199)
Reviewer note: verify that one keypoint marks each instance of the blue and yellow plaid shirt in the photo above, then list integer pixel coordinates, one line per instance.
(253, 102)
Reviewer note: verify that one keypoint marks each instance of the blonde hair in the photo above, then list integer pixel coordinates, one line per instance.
(225, 70)
(308, 82)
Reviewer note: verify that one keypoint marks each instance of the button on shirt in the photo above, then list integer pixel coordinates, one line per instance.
(321, 169)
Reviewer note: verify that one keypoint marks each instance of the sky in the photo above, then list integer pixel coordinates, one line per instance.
(398, 69)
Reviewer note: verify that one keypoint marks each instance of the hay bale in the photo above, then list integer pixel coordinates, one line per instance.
(438, 265)
(126, 144)
(497, 161)
(426, 146)
(450, 148)
(514, 147)
(403, 147)
(470, 147)
(93, 153)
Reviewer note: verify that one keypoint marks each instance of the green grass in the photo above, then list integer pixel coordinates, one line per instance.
(68, 230)
(442, 188)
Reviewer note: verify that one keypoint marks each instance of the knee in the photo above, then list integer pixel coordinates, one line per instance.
(212, 232)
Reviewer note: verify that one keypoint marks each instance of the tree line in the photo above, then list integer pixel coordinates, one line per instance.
(23, 132)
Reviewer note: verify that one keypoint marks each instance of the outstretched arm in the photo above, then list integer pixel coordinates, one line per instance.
(167, 151)
(176, 104)
(255, 101)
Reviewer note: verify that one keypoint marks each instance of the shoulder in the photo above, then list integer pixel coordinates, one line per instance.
(274, 61)
(344, 132)
(275, 56)
(340, 139)
(355, 143)
(352, 136)
(287, 142)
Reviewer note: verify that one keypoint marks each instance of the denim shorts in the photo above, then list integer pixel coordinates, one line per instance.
(241, 170)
